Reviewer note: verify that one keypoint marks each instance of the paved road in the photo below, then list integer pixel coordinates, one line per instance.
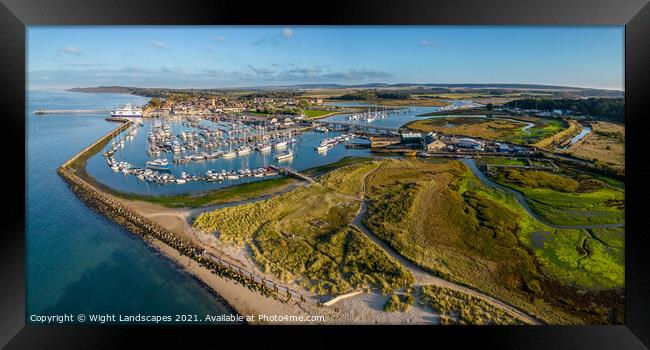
(471, 164)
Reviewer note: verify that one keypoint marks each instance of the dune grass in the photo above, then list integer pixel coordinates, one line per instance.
(439, 216)
(305, 236)
(460, 308)
(398, 302)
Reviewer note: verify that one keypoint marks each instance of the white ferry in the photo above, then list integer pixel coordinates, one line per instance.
(127, 111)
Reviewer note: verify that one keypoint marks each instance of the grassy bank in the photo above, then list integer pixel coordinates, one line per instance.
(229, 194)
(317, 113)
(345, 161)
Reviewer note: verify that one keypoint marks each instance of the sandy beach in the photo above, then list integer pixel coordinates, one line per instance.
(364, 308)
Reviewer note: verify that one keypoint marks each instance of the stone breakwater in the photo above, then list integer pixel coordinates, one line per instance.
(142, 226)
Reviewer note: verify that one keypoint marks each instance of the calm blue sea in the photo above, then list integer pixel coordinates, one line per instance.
(77, 260)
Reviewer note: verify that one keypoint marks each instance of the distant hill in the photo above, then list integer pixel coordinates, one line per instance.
(161, 92)
(105, 89)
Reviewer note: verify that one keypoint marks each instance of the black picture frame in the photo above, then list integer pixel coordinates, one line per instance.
(15, 15)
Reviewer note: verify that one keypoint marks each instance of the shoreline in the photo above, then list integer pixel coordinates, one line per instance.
(237, 297)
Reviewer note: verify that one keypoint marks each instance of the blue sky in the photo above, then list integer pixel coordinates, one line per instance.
(220, 56)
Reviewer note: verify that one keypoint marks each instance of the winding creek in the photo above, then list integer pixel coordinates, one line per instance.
(582, 134)
(521, 199)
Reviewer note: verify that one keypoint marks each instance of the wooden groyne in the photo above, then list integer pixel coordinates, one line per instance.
(144, 227)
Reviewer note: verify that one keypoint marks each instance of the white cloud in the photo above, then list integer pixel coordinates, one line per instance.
(219, 38)
(287, 32)
(159, 44)
(73, 50)
(428, 43)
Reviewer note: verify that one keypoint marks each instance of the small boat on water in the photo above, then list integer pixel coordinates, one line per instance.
(284, 156)
(213, 155)
(321, 129)
(159, 164)
(176, 147)
(264, 148)
(280, 145)
(243, 150)
(229, 154)
(323, 147)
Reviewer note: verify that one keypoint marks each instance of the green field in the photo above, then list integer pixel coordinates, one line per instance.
(543, 129)
(315, 113)
(591, 258)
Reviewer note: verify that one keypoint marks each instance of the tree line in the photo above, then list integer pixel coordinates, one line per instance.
(609, 108)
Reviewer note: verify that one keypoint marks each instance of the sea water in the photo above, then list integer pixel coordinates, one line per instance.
(78, 261)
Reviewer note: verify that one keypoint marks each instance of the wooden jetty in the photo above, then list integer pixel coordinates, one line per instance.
(292, 172)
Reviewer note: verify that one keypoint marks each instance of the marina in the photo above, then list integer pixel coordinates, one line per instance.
(195, 153)
(191, 154)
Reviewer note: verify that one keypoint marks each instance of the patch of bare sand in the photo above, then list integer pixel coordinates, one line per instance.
(368, 308)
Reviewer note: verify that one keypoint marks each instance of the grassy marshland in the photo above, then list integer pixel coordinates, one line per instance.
(492, 128)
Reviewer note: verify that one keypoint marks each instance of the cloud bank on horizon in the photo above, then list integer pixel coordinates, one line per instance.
(226, 56)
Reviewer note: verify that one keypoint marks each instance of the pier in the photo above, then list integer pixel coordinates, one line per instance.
(70, 111)
(291, 172)
(357, 126)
